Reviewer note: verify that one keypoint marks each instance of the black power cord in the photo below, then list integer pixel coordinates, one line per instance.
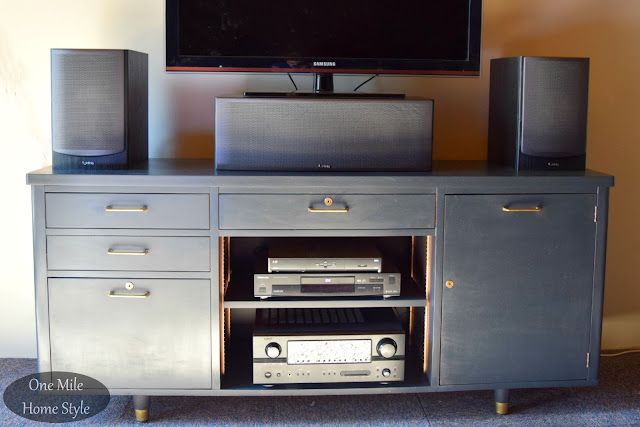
(365, 82)
(294, 83)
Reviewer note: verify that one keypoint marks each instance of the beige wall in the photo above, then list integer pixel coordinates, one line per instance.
(181, 116)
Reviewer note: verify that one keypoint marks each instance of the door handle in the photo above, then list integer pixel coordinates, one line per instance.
(112, 209)
(134, 253)
(112, 294)
(508, 209)
(315, 210)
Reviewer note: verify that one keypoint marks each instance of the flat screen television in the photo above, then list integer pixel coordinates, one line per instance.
(410, 37)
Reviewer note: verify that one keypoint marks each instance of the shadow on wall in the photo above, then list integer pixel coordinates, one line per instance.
(192, 113)
(192, 106)
(192, 145)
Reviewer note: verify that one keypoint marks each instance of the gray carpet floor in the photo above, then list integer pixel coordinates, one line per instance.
(614, 402)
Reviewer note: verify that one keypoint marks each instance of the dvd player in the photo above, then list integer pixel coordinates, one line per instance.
(276, 265)
(322, 256)
(326, 284)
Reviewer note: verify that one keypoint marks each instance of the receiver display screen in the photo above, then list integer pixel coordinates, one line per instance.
(333, 351)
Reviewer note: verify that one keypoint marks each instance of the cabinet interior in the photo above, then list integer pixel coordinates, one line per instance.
(241, 257)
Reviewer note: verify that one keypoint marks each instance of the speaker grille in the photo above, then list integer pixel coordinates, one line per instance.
(341, 134)
(554, 106)
(88, 102)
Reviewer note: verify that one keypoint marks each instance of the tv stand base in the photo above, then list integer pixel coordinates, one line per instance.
(331, 95)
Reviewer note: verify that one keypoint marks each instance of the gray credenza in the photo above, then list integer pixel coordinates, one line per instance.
(143, 278)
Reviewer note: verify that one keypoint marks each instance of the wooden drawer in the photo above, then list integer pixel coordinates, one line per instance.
(309, 211)
(102, 210)
(159, 341)
(141, 253)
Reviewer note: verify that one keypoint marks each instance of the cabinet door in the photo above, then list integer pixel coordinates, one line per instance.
(156, 335)
(518, 304)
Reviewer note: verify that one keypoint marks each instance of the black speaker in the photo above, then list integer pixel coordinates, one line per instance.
(99, 109)
(320, 134)
(538, 113)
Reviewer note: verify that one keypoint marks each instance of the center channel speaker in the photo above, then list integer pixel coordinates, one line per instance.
(538, 113)
(99, 109)
(341, 134)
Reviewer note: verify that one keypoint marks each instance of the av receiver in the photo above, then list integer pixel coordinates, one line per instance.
(326, 284)
(325, 345)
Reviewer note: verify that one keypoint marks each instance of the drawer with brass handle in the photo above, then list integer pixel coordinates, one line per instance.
(115, 210)
(128, 286)
(326, 211)
(142, 253)
(132, 333)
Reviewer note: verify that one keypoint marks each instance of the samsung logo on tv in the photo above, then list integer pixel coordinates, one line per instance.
(324, 64)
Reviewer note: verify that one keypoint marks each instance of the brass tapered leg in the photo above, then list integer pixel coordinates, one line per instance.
(501, 396)
(502, 408)
(142, 415)
(141, 406)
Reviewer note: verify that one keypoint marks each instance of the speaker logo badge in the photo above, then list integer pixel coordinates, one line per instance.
(324, 166)
(88, 163)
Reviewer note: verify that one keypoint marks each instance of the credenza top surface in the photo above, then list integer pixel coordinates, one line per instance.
(201, 172)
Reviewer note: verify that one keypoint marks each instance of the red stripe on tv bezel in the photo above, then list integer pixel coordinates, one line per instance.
(326, 70)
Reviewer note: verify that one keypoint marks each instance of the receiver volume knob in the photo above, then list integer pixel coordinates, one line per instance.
(387, 348)
(273, 350)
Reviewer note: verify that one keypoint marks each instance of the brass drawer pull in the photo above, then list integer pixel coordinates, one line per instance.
(112, 209)
(112, 294)
(508, 209)
(314, 210)
(112, 252)
(328, 201)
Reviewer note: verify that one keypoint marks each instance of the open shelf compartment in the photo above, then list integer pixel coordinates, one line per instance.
(410, 254)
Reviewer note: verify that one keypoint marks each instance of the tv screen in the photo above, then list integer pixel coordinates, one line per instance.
(331, 36)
